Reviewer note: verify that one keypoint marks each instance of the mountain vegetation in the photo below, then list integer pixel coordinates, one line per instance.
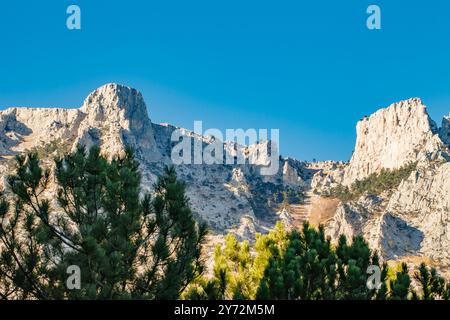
(376, 183)
(305, 265)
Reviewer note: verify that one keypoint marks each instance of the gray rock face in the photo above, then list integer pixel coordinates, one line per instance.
(424, 201)
(329, 175)
(362, 217)
(291, 176)
(444, 131)
(121, 114)
(413, 220)
(112, 116)
(235, 197)
(391, 138)
(24, 128)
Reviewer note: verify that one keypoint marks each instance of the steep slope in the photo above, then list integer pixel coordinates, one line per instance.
(391, 138)
(116, 116)
(413, 219)
(444, 131)
(424, 201)
(24, 128)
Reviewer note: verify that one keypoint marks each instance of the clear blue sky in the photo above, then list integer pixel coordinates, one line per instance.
(310, 68)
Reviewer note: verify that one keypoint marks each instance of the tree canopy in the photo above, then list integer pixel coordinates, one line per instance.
(126, 244)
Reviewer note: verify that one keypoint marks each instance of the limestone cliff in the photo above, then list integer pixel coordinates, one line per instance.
(444, 131)
(121, 114)
(414, 219)
(392, 137)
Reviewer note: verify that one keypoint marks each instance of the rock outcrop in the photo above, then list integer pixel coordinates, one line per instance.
(424, 201)
(120, 114)
(112, 116)
(25, 128)
(412, 220)
(392, 137)
(444, 131)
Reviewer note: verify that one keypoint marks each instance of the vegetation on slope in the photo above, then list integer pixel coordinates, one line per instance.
(376, 183)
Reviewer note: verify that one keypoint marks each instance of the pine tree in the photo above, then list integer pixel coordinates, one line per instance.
(353, 261)
(400, 286)
(305, 265)
(433, 286)
(310, 268)
(237, 271)
(126, 246)
(305, 270)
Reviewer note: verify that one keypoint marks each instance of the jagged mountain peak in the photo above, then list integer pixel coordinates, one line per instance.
(444, 131)
(392, 137)
(114, 91)
(414, 101)
(113, 98)
(116, 115)
(409, 109)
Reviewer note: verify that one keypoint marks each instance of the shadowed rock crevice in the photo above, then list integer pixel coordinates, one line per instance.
(398, 238)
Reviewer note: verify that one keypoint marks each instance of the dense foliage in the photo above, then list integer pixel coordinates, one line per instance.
(125, 246)
(238, 269)
(305, 265)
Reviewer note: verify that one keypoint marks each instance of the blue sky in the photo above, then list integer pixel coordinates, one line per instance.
(310, 68)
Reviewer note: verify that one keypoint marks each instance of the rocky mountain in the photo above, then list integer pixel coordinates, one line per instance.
(411, 221)
(444, 132)
(230, 197)
(392, 137)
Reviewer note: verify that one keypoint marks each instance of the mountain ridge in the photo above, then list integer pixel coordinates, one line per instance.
(237, 198)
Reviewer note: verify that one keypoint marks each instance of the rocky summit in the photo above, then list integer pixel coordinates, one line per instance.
(409, 221)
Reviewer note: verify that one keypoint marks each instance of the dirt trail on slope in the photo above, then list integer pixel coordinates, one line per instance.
(314, 209)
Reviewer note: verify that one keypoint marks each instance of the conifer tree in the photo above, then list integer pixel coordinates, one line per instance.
(305, 265)
(353, 261)
(125, 246)
(310, 268)
(237, 271)
(431, 284)
(400, 286)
